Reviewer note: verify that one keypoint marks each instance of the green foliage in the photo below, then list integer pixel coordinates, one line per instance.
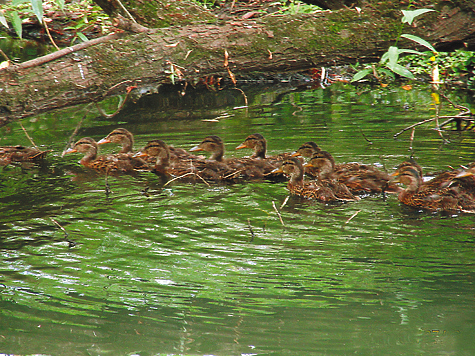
(293, 7)
(410, 15)
(19, 10)
(452, 64)
(391, 59)
(37, 6)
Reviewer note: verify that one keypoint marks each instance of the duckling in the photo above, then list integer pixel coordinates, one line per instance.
(307, 150)
(243, 168)
(445, 192)
(104, 163)
(309, 189)
(258, 144)
(19, 153)
(121, 136)
(126, 139)
(359, 178)
(207, 169)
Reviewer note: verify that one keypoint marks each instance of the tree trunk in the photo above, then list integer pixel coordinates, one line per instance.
(271, 44)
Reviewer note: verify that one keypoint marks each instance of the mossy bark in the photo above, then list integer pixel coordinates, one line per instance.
(272, 44)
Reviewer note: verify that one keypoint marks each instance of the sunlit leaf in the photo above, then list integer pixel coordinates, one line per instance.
(3, 20)
(407, 87)
(393, 56)
(60, 4)
(37, 6)
(4, 64)
(402, 50)
(16, 22)
(410, 15)
(387, 72)
(419, 40)
(82, 36)
(19, 2)
(361, 74)
(402, 71)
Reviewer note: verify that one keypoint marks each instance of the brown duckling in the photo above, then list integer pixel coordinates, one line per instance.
(212, 144)
(310, 189)
(244, 168)
(18, 153)
(359, 178)
(206, 169)
(307, 150)
(121, 136)
(126, 139)
(105, 163)
(258, 143)
(268, 164)
(446, 192)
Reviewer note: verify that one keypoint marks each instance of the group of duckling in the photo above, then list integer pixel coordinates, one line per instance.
(449, 191)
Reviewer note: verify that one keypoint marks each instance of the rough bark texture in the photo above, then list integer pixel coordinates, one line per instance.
(273, 44)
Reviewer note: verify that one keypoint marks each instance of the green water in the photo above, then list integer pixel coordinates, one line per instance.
(211, 270)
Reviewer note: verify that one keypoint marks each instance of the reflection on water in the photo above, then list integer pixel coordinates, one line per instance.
(196, 269)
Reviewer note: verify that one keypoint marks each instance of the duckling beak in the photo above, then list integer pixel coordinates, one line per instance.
(69, 150)
(464, 174)
(104, 140)
(241, 146)
(196, 148)
(395, 177)
(308, 165)
(140, 154)
(277, 170)
(295, 154)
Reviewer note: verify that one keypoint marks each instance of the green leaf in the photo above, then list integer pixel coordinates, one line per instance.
(361, 74)
(393, 56)
(410, 15)
(37, 6)
(3, 20)
(402, 50)
(60, 4)
(387, 72)
(82, 36)
(19, 2)
(419, 40)
(402, 71)
(16, 22)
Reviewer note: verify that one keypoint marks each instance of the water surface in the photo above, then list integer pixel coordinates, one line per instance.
(211, 270)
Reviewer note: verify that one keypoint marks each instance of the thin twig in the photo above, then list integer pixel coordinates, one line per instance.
(411, 139)
(4, 55)
(29, 138)
(285, 202)
(364, 136)
(410, 127)
(250, 230)
(126, 11)
(49, 34)
(62, 228)
(187, 174)
(71, 138)
(351, 218)
(243, 94)
(119, 108)
(278, 213)
(453, 104)
(66, 235)
(232, 174)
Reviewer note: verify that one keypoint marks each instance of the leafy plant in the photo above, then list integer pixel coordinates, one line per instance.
(389, 64)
